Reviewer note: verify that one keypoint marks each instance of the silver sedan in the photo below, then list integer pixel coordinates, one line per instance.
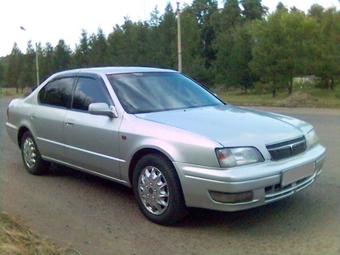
(170, 139)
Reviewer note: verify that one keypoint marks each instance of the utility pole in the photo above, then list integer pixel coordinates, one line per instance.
(179, 39)
(37, 63)
(36, 59)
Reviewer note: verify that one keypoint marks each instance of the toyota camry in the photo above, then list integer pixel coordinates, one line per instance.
(176, 144)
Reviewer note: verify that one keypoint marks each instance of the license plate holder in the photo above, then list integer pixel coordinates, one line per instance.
(298, 173)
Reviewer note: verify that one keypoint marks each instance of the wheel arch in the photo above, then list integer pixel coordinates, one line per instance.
(175, 206)
(22, 130)
(141, 153)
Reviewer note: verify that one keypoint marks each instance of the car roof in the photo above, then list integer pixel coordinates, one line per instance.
(117, 69)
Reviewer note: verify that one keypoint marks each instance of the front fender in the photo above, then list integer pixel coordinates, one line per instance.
(177, 144)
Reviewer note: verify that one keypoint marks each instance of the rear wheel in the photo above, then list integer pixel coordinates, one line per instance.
(158, 191)
(31, 157)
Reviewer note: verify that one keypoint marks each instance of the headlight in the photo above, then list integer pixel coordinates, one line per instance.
(230, 157)
(312, 139)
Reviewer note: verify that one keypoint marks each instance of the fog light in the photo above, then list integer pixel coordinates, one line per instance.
(232, 197)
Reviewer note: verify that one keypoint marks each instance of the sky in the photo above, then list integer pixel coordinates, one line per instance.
(49, 21)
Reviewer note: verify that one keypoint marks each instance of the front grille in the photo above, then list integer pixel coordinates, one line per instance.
(287, 149)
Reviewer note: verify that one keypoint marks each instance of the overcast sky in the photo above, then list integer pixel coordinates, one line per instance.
(49, 21)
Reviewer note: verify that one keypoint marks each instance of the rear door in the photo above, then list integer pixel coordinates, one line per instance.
(47, 117)
(91, 141)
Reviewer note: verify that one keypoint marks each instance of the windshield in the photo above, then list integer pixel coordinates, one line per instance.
(152, 92)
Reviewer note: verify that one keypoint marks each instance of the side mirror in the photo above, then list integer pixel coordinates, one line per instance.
(103, 109)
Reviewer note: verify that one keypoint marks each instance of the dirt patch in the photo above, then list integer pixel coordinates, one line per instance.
(297, 99)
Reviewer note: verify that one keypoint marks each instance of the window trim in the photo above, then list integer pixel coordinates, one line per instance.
(51, 81)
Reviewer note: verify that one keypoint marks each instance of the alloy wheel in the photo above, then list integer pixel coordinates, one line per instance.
(153, 190)
(29, 151)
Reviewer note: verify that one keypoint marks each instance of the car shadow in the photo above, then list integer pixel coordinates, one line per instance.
(198, 218)
(88, 180)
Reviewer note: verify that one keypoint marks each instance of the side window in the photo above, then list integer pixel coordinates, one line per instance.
(57, 92)
(87, 91)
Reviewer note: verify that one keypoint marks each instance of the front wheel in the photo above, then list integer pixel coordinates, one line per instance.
(158, 191)
(31, 157)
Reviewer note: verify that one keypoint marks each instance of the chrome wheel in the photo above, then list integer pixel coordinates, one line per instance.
(29, 153)
(153, 190)
(157, 189)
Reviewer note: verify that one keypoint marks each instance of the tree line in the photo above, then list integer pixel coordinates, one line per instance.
(238, 45)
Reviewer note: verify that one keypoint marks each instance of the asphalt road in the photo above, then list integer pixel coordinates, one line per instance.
(96, 216)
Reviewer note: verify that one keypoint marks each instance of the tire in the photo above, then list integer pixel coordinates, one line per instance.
(157, 189)
(31, 157)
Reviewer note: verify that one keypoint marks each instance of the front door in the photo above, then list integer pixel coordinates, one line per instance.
(91, 141)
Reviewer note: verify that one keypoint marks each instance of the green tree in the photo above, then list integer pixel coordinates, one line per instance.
(142, 47)
(116, 44)
(226, 22)
(127, 43)
(81, 55)
(316, 11)
(27, 77)
(327, 52)
(14, 67)
(233, 42)
(281, 6)
(204, 11)
(253, 9)
(2, 73)
(98, 53)
(163, 39)
(229, 17)
(282, 47)
(46, 61)
(193, 60)
(61, 56)
(155, 18)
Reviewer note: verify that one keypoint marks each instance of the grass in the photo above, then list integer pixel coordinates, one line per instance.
(11, 93)
(16, 239)
(314, 98)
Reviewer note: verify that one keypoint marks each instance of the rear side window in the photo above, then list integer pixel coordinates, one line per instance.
(57, 92)
(87, 91)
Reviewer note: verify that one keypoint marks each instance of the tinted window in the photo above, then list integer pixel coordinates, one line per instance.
(87, 91)
(57, 92)
(151, 92)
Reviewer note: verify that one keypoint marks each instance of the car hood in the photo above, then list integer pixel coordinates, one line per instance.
(232, 126)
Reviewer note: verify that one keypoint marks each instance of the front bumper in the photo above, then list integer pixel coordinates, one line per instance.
(265, 181)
